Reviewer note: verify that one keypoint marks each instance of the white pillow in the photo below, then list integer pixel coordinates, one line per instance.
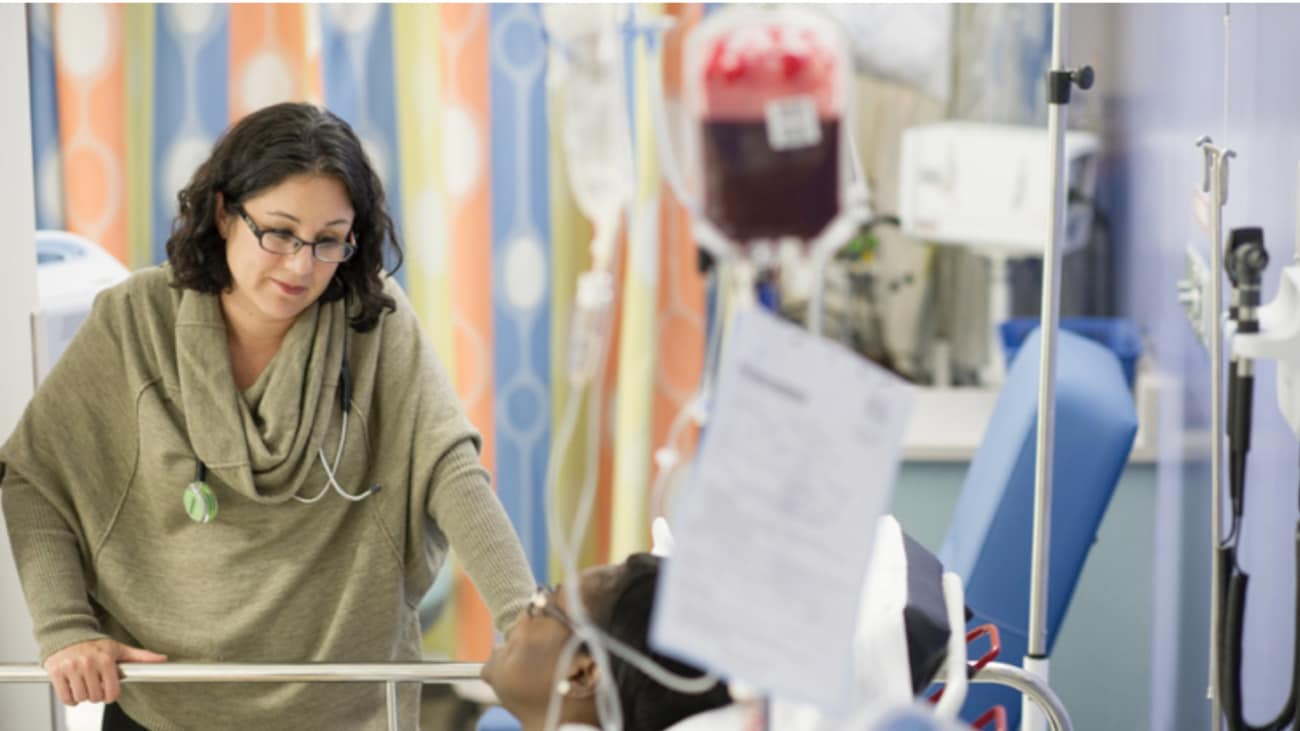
(911, 44)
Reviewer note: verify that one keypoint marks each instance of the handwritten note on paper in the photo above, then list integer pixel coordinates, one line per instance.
(774, 528)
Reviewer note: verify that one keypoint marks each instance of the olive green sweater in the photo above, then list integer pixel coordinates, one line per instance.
(93, 478)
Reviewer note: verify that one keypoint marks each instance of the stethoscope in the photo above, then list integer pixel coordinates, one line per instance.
(201, 502)
(1245, 261)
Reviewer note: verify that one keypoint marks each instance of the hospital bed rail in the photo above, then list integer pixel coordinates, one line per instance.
(390, 674)
(1029, 684)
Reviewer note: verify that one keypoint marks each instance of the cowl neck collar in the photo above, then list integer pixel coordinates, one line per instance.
(261, 443)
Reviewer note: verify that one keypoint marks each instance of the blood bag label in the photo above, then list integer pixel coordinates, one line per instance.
(792, 123)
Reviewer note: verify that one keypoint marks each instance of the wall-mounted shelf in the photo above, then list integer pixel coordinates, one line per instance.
(948, 423)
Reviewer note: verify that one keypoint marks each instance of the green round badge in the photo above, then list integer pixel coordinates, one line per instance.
(200, 502)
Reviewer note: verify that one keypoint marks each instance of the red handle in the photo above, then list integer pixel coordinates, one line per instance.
(997, 715)
(995, 647)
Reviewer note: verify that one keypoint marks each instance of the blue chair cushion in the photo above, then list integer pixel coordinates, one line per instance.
(988, 542)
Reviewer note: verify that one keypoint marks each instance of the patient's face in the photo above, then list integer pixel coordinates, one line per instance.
(522, 670)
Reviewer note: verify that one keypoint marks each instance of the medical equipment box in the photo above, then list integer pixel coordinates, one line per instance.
(70, 271)
(989, 186)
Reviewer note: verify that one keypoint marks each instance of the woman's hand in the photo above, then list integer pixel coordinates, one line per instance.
(87, 671)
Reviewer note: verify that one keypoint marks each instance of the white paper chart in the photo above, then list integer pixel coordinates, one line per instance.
(774, 526)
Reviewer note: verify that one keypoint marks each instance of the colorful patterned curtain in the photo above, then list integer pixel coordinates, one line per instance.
(452, 105)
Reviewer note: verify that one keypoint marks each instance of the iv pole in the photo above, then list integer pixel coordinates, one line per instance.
(1059, 81)
(1215, 183)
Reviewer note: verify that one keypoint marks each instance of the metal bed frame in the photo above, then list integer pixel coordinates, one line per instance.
(390, 674)
(1032, 687)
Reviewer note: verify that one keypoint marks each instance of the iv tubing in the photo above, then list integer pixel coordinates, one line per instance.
(696, 405)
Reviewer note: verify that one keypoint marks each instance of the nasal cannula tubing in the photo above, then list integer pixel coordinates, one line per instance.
(695, 408)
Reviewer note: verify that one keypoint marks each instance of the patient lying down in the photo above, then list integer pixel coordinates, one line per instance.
(619, 599)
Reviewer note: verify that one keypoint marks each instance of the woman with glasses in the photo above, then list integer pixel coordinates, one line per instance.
(618, 599)
(251, 454)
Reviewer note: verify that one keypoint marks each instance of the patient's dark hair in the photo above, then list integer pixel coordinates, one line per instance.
(261, 151)
(647, 705)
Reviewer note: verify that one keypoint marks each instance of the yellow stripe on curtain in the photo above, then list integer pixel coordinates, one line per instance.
(465, 108)
(637, 344)
(417, 31)
(602, 551)
(417, 34)
(570, 255)
(139, 32)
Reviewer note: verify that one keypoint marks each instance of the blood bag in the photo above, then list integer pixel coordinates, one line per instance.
(767, 91)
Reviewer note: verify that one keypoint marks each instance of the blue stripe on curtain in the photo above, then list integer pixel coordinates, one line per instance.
(46, 170)
(628, 14)
(360, 86)
(521, 317)
(191, 72)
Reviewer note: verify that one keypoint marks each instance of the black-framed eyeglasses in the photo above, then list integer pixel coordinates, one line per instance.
(543, 603)
(328, 250)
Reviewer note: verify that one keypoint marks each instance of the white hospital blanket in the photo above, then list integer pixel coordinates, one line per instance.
(882, 674)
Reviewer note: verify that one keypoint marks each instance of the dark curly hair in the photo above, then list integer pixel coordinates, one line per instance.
(647, 705)
(261, 151)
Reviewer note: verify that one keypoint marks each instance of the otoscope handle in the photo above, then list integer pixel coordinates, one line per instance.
(1241, 397)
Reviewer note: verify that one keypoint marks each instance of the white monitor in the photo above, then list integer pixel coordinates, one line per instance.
(987, 186)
